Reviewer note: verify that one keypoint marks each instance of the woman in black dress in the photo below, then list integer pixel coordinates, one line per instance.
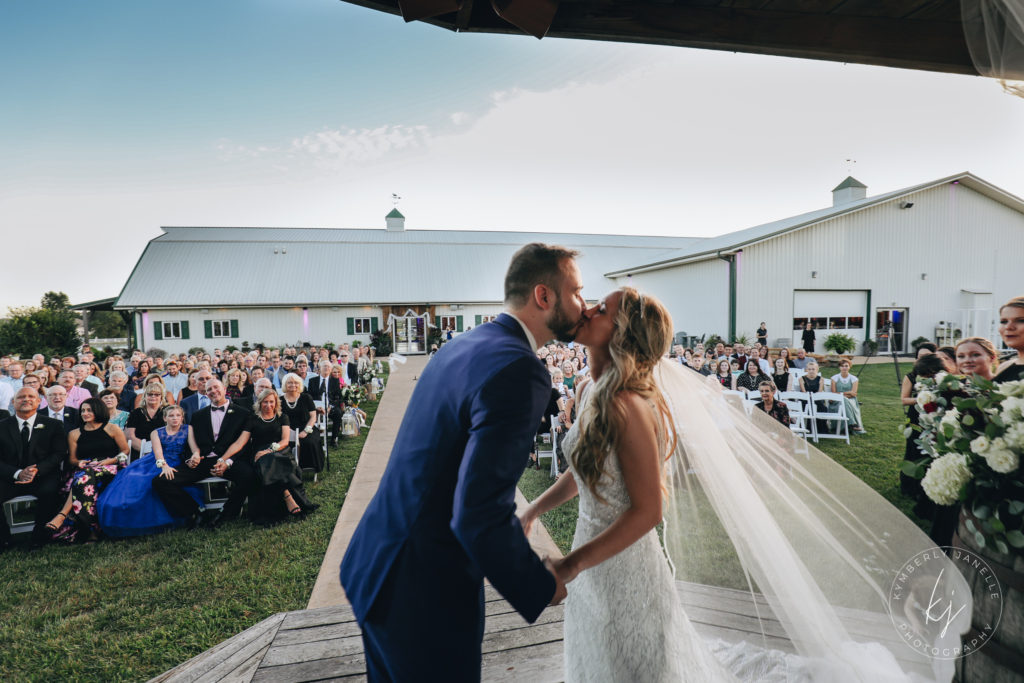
(762, 335)
(781, 375)
(147, 417)
(93, 451)
(751, 377)
(808, 337)
(300, 408)
(723, 373)
(1011, 329)
(911, 486)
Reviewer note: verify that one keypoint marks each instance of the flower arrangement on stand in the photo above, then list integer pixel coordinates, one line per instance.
(973, 432)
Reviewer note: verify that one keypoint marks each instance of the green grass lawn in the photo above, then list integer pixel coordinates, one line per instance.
(874, 457)
(127, 610)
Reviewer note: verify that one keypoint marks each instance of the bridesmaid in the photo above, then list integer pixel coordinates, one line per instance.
(94, 450)
(1011, 329)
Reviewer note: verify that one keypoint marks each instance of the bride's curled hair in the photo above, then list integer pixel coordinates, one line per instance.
(643, 334)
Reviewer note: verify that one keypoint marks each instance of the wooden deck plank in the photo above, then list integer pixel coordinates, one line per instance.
(191, 670)
(317, 617)
(315, 633)
(245, 672)
(318, 670)
(241, 658)
(542, 663)
(280, 655)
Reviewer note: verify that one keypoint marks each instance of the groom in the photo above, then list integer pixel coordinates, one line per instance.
(443, 517)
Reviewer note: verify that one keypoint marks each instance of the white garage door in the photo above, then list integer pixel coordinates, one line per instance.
(829, 310)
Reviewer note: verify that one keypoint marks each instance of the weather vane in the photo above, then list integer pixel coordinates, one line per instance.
(395, 199)
(849, 166)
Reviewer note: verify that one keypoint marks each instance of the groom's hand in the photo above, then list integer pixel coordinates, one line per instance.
(526, 519)
(560, 590)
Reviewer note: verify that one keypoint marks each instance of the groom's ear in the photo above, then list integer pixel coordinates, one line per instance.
(543, 297)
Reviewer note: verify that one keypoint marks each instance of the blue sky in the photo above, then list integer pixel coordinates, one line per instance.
(120, 117)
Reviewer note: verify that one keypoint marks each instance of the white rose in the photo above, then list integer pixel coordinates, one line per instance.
(980, 445)
(945, 478)
(1015, 388)
(924, 397)
(952, 418)
(1002, 461)
(1013, 409)
(1014, 436)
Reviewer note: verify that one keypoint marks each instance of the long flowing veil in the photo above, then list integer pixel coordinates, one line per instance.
(753, 507)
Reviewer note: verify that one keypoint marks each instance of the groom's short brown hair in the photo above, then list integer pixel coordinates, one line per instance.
(535, 264)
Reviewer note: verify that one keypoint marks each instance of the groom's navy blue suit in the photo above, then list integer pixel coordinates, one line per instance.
(443, 516)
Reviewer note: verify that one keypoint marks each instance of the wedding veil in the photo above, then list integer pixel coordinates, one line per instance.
(755, 508)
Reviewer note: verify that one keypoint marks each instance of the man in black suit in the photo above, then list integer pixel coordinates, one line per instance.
(323, 386)
(56, 410)
(349, 370)
(32, 447)
(199, 400)
(214, 428)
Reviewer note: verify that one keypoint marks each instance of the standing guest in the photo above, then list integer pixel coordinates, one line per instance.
(299, 408)
(76, 394)
(198, 400)
(57, 410)
(32, 448)
(801, 360)
(147, 417)
(751, 377)
(949, 355)
(129, 506)
(93, 451)
(781, 377)
(911, 486)
(777, 409)
(846, 384)
(174, 380)
(808, 337)
(762, 335)
(1011, 329)
(216, 428)
(723, 373)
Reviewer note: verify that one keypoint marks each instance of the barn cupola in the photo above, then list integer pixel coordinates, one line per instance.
(850, 190)
(395, 221)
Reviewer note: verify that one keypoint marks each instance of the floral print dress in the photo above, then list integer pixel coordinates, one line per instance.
(82, 524)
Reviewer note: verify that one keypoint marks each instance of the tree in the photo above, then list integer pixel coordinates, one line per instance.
(51, 329)
(107, 325)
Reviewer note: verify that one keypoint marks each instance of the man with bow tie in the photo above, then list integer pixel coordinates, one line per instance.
(214, 428)
(32, 447)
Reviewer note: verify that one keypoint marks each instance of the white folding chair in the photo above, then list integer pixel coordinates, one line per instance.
(749, 406)
(835, 409)
(547, 446)
(296, 445)
(17, 505)
(799, 404)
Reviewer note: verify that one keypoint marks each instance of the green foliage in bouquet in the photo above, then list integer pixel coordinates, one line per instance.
(353, 395)
(973, 431)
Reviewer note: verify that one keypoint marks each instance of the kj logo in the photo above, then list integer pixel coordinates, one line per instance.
(930, 603)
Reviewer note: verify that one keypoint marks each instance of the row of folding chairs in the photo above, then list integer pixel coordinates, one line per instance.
(805, 410)
(547, 446)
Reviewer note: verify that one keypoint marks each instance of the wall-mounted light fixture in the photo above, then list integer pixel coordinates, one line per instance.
(814, 273)
(924, 276)
(905, 204)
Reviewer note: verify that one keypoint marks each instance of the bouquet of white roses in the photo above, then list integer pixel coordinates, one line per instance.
(366, 374)
(973, 431)
(353, 394)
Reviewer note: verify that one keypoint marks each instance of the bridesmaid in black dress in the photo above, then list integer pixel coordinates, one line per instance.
(1011, 329)
(808, 338)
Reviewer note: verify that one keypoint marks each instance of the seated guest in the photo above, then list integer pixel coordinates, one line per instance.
(777, 409)
(740, 354)
(33, 382)
(115, 415)
(76, 394)
(147, 417)
(93, 451)
(751, 377)
(234, 385)
(198, 400)
(129, 506)
(764, 360)
(784, 355)
(326, 387)
(6, 394)
(56, 410)
(139, 376)
(801, 360)
(125, 394)
(299, 408)
(191, 387)
(174, 380)
(813, 383)
(215, 428)
(350, 370)
(846, 384)
(150, 381)
(84, 379)
(781, 376)
(32, 448)
(723, 373)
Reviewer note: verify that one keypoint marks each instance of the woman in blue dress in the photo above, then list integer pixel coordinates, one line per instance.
(128, 506)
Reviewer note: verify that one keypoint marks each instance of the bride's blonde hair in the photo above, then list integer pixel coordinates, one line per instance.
(643, 333)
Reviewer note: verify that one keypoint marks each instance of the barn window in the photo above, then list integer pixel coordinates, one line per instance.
(170, 329)
(220, 328)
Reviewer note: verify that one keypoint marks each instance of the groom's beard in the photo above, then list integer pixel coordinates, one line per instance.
(561, 325)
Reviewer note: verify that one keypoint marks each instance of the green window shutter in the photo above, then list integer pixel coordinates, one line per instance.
(458, 323)
(208, 329)
(158, 329)
(234, 329)
(373, 324)
(478, 319)
(351, 325)
(184, 329)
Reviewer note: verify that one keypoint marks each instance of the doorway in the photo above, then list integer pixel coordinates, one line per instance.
(891, 329)
(409, 333)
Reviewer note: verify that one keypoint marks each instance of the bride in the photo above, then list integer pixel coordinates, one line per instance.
(739, 503)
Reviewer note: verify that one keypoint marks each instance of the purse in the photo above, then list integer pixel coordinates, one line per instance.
(276, 469)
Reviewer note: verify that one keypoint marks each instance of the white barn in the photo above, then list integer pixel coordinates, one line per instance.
(933, 259)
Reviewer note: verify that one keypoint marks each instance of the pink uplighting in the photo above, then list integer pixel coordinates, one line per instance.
(305, 322)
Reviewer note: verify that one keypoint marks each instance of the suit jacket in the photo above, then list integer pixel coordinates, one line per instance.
(189, 405)
(71, 420)
(127, 400)
(443, 516)
(47, 448)
(230, 429)
(316, 390)
(352, 372)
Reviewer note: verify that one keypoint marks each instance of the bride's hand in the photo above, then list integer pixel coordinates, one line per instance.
(527, 516)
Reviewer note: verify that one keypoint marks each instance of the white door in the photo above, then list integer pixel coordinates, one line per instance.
(829, 311)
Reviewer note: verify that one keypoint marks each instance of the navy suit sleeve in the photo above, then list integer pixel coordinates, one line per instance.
(504, 418)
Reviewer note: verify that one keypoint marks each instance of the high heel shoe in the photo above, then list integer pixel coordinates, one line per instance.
(52, 526)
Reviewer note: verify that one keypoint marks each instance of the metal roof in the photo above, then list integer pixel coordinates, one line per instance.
(207, 266)
(730, 242)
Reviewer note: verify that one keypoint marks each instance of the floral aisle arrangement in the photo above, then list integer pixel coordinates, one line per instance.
(973, 432)
(353, 394)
